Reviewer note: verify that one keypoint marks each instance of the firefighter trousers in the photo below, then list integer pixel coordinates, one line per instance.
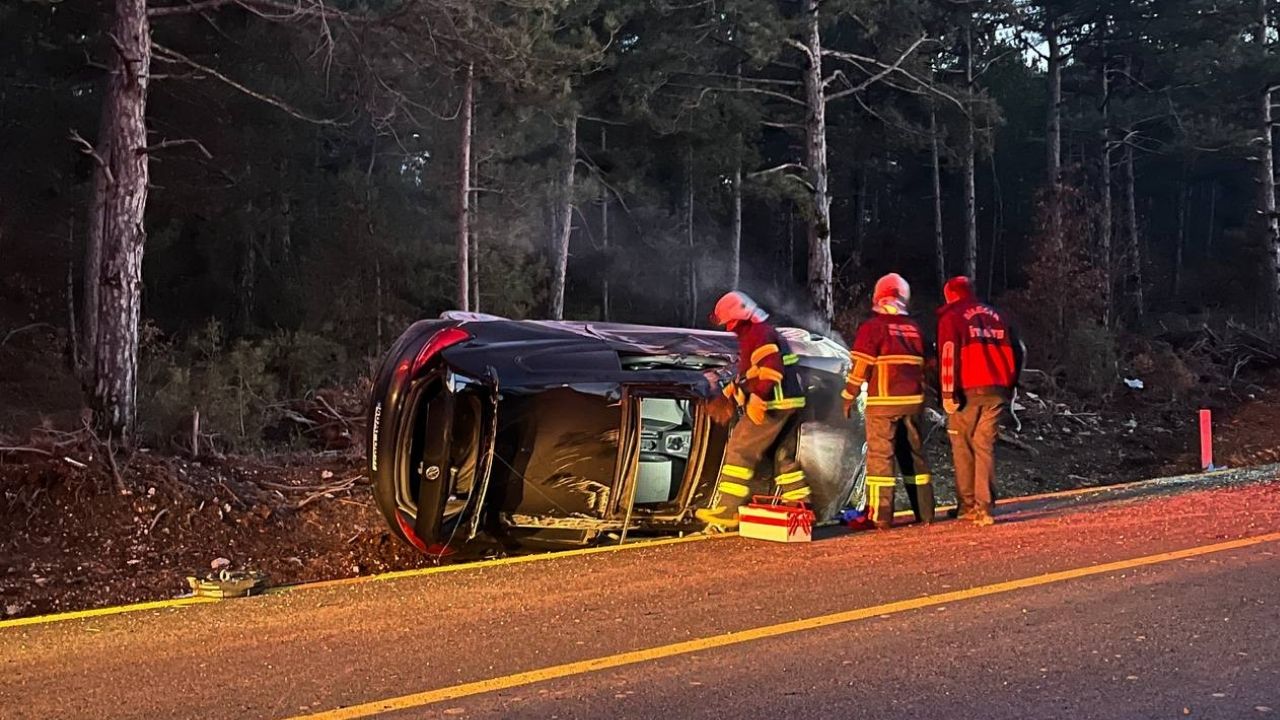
(973, 431)
(896, 437)
(776, 439)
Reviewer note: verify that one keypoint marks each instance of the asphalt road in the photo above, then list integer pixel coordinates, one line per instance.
(1158, 602)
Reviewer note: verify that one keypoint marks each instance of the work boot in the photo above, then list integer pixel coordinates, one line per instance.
(720, 517)
(983, 519)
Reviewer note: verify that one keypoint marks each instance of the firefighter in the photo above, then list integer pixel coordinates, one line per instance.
(768, 390)
(979, 360)
(888, 355)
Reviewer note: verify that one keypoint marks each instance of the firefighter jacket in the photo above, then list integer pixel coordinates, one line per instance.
(979, 353)
(888, 355)
(766, 369)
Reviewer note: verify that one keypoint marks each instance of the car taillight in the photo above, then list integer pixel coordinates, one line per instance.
(438, 342)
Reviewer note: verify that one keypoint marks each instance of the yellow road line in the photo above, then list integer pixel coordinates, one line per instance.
(581, 667)
(180, 602)
(496, 562)
(480, 564)
(99, 612)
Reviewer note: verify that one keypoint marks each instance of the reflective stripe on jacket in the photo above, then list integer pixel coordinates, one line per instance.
(766, 369)
(888, 355)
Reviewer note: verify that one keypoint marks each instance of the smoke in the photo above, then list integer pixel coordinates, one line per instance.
(649, 249)
(793, 309)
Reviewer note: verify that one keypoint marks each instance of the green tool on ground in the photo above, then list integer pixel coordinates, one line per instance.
(228, 584)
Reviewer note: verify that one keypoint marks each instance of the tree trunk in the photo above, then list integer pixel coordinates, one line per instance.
(473, 224)
(939, 246)
(820, 263)
(475, 251)
(1134, 249)
(463, 295)
(247, 277)
(860, 209)
(94, 232)
(377, 300)
(73, 326)
(1267, 171)
(1053, 131)
(564, 223)
(1105, 224)
(970, 165)
(1179, 247)
(735, 230)
(691, 306)
(1213, 219)
(604, 231)
(997, 223)
(790, 275)
(120, 200)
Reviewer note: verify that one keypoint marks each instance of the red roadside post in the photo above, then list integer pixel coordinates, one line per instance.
(1206, 440)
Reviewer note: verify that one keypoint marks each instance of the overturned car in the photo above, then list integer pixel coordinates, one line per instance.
(539, 432)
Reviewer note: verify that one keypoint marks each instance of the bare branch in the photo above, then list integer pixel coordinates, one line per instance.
(751, 90)
(602, 121)
(288, 11)
(757, 81)
(189, 8)
(163, 144)
(801, 47)
(896, 69)
(88, 149)
(896, 125)
(9, 335)
(166, 55)
(778, 169)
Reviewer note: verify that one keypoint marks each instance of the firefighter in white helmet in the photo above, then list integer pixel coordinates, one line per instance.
(888, 355)
(769, 392)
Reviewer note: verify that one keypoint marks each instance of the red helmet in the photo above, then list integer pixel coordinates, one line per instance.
(957, 288)
(891, 287)
(736, 307)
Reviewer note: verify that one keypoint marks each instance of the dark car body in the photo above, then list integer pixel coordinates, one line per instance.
(570, 432)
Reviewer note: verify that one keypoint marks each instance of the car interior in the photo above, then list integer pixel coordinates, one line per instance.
(666, 436)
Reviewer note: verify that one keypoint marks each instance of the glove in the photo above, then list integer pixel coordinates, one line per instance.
(721, 409)
(848, 407)
(950, 406)
(755, 409)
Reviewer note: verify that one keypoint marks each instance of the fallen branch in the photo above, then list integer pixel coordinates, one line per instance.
(14, 449)
(325, 492)
(115, 471)
(232, 493)
(156, 519)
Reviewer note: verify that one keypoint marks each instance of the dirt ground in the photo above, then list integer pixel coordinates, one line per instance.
(69, 539)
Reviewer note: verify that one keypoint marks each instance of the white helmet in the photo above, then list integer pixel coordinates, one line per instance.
(737, 306)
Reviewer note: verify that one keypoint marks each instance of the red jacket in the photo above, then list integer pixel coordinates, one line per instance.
(765, 368)
(888, 355)
(979, 352)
